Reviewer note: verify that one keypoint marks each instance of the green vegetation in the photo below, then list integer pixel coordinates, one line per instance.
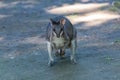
(116, 6)
(113, 9)
(117, 41)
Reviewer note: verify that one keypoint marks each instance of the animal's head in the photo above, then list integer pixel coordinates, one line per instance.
(57, 27)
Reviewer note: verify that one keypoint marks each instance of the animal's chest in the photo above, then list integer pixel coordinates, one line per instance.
(59, 42)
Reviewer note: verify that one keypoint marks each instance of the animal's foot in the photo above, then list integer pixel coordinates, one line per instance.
(57, 54)
(73, 61)
(51, 63)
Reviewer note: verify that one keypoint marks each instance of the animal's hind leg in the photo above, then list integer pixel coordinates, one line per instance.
(73, 48)
(51, 60)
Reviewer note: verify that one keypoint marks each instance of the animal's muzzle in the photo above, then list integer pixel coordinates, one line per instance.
(58, 36)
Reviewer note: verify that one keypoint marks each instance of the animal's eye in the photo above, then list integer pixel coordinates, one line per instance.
(53, 29)
(61, 29)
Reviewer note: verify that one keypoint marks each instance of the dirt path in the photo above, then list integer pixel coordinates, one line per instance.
(23, 53)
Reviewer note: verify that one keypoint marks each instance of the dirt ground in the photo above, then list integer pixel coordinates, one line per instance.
(23, 52)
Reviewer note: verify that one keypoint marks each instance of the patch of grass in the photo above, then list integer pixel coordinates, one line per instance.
(117, 41)
(104, 7)
(117, 4)
(115, 7)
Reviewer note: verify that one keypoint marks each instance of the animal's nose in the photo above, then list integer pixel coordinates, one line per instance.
(58, 36)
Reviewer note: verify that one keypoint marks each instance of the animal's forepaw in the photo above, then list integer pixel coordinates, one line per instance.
(73, 61)
(51, 63)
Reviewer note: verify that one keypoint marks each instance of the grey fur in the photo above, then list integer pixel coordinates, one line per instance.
(68, 38)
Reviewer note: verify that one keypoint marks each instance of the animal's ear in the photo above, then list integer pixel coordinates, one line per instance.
(51, 20)
(62, 21)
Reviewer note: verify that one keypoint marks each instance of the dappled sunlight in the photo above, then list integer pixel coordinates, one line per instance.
(75, 8)
(4, 16)
(2, 5)
(97, 44)
(89, 14)
(8, 5)
(34, 40)
(28, 4)
(94, 18)
(12, 55)
(1, 38)
(85, 0)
